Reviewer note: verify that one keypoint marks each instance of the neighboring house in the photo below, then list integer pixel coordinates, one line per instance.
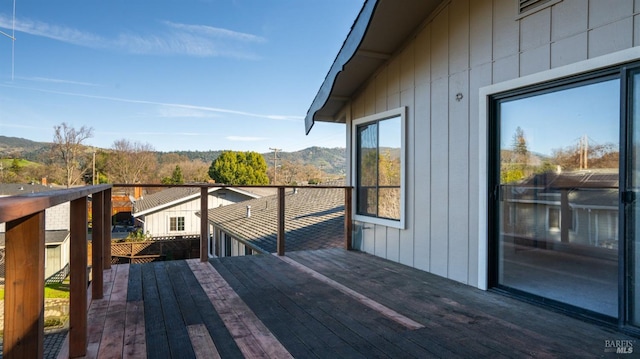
(588, 200)
(314, 219)
(441, 98)
(172, 212)
(56, 228)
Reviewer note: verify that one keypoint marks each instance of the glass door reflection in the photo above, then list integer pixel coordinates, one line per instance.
(558, 195)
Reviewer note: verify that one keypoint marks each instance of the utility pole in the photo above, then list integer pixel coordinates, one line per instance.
(93, 174)
(275, 163)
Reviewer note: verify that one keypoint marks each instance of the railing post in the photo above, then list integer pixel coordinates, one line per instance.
(97, 234)
(78, 280)
(281, 209)
(204, 223)
(565, 215)
(24, 287)
(106, 237)
(348, 223)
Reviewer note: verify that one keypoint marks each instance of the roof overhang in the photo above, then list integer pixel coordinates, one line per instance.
(188, 198)
(381, 28)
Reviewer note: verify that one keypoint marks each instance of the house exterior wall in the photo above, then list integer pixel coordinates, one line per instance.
(157, 223)
(465, 46)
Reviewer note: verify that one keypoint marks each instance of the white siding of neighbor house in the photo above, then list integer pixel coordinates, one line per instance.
(468, 45)
(157, 223)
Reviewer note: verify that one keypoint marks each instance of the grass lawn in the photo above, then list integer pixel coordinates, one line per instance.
(50, 291)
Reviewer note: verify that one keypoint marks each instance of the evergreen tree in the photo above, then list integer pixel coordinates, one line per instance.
(239, 168)
(176, 177)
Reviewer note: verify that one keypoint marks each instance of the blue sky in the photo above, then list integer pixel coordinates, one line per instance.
(557, 120)
(178, 74)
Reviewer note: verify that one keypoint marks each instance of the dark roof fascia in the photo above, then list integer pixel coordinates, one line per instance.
(348, 50)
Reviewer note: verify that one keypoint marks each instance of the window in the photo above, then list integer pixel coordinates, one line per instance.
(379, 168)
(553, 218)
(176, 224)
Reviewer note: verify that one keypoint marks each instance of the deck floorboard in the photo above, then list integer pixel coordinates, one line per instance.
(268, 307)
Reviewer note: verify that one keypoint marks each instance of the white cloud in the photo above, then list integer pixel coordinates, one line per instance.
(172, 39)
(179, 112)
(246, 138)
(174, 106)
(59, 81)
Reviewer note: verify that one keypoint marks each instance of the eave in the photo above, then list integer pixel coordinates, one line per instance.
(381, 28)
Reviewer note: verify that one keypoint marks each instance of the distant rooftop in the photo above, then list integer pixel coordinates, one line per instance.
(175, 194)
(314, 219)
(13, 189)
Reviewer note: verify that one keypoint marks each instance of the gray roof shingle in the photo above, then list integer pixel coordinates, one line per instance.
(12, 189)
(50, 237)
(165, 196)
(314, 219)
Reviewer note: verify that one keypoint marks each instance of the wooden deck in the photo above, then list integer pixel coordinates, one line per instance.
(327, 304)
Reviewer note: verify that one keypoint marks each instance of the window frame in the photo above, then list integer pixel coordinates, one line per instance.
(397, 112)
(177, 226)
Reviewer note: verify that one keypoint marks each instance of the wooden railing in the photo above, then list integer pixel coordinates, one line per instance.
(24, 216)
(24, 265)
(281, 240)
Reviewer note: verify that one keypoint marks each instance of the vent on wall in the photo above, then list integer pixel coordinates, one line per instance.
(526, 7)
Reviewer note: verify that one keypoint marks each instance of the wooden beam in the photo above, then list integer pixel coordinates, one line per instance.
(204, 223)
(24, 287)
(78, 280)
(15, 207)
(106, 237)
(348, 223)
(97, 234)
(281, 209)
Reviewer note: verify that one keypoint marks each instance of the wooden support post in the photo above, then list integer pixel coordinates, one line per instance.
(97, 239)
(281, 239)
(79, 280)
(24, 287)
(348, 224)
(106, 237)
(204, 223)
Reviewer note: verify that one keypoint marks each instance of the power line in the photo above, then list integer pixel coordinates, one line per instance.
(13, 39)
(275, 163)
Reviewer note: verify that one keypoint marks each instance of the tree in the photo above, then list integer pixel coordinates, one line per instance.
(68, 148)
(192, 171)
(176, 177)
(599, 156)
(239, 168)
(131, 162)
(515, 162)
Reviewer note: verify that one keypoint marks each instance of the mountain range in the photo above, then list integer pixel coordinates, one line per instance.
(329, 160)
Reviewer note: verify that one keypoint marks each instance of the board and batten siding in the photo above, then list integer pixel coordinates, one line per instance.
(157, 223)
(464, 46)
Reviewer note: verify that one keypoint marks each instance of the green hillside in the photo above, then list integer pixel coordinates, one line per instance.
(330, 160)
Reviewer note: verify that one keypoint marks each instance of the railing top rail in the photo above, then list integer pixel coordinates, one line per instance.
(218, 185)
(14, 207)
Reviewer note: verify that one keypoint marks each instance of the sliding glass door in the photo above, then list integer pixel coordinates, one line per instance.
(556, 168)
(631, 199)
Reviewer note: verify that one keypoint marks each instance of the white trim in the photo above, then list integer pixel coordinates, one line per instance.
(402, 112)
(585, 66)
